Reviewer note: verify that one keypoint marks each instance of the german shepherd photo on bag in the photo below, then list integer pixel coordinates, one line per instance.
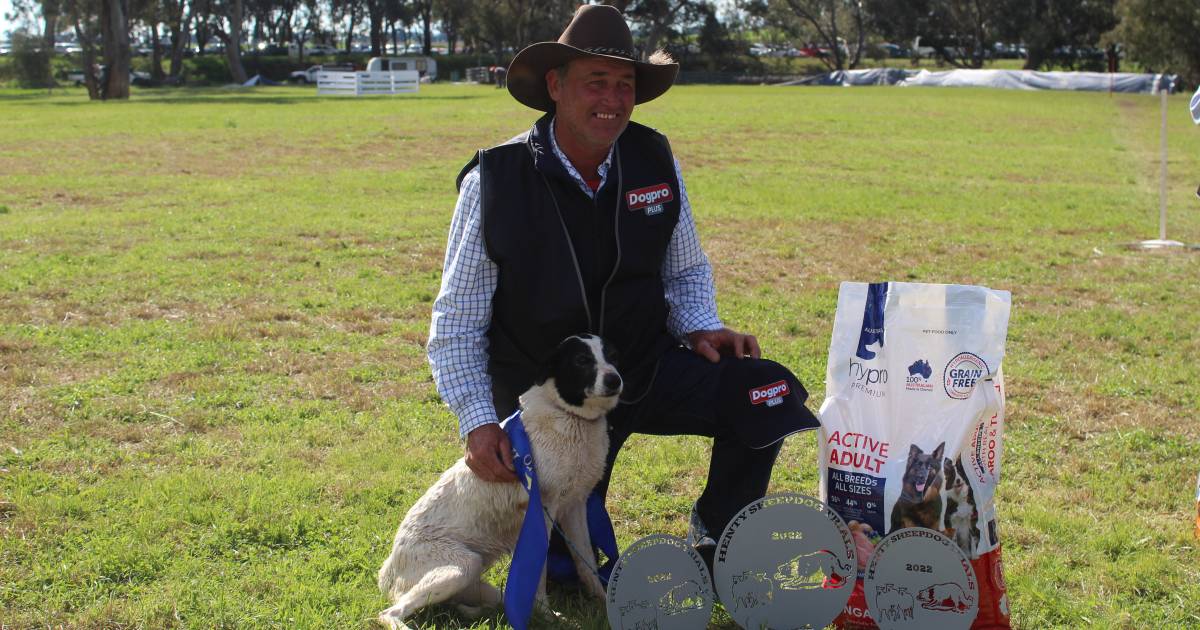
(920, 503)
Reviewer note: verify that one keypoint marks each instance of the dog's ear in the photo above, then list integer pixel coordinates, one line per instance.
(937, 452)
(547, 366)
(914, 451)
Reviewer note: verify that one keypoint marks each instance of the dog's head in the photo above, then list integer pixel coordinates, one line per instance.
(583, 376)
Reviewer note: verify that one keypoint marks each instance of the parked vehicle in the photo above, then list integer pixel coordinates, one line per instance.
(426, 66)
(310, 75)
(316, 50)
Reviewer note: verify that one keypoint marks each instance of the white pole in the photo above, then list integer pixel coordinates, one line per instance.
(1162, 173)
(1162, 241)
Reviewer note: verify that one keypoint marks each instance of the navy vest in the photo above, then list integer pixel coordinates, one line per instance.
(569, 264)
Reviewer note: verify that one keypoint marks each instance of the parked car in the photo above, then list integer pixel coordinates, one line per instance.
(270, 50)
(310, 75)
(314, 50)
(895, 51)
(759, 50)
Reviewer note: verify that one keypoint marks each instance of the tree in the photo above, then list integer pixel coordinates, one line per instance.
(961, 32)
(1045, 26)
(424, 10)
(176, 18)
(838, 26)
(658, 17)
(31, 61)
(228, 17)
(1161, 35)
(114, 30)
(452, 14)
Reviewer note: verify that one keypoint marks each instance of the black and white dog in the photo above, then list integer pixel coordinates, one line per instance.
(464, 524)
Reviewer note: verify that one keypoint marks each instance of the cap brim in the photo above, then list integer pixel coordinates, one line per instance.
(527, 74)
(761, 423)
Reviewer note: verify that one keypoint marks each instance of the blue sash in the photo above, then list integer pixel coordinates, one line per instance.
(529, 557)
(530, 554)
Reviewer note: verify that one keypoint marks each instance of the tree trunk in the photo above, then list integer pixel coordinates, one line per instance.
(156, 71)
(49, 29)
(115, 28)
(233, 42)
(89, 62)
(350, 30)
(177, 44)
(427, 23)
(375, 16)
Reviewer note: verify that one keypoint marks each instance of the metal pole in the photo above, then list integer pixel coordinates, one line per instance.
(1162, 174)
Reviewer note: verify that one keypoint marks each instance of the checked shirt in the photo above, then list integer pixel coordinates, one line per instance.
(462, 312)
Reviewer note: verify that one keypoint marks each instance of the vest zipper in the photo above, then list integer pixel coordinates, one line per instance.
(616, 234)
(574, 257)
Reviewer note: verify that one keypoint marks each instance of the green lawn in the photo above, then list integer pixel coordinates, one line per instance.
(214, 402)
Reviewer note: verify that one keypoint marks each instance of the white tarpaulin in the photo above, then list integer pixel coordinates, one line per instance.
(1031, 80)
(1007, 79)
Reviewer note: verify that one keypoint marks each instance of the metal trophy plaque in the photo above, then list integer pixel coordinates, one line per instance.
(919, 578)
(785, 561)
(661, 583)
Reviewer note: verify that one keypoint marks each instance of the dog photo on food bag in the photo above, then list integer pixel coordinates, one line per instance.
(920, 502)
(462, 525)
(960, 507)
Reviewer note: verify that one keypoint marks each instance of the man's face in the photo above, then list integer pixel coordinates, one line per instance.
(593, 101)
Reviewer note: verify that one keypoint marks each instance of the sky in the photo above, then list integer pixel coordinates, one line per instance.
(5, 25)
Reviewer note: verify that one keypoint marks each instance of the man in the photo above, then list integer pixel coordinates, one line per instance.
(583, 225)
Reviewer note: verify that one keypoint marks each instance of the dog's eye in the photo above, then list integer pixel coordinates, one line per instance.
(582, 360)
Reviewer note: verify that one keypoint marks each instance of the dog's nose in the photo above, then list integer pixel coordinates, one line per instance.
(612, 381)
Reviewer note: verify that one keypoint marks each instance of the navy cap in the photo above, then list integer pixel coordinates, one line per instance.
(763, 401)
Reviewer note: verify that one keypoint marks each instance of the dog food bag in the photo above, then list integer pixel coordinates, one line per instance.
(912, 424)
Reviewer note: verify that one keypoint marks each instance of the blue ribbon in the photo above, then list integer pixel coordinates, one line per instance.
(530, 554)
(529, 557)
(603, 539)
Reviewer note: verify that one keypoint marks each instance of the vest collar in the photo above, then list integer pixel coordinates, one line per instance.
(541, 147)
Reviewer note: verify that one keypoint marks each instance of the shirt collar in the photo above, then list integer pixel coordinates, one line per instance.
(601, 170)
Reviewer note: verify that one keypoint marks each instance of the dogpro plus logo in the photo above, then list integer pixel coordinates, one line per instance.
(771, 394)
(651, 198)
(962, 373)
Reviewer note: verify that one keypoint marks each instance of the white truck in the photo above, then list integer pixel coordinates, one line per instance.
(425, 66)
(310, 75)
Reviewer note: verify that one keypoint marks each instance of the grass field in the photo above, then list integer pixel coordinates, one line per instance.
(214, 402)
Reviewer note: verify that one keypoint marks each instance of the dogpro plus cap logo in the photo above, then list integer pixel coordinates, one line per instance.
(651, 198)
(771, 394)
(961, 374)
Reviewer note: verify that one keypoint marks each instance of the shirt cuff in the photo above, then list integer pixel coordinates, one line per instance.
(691, 322)
(474, 415)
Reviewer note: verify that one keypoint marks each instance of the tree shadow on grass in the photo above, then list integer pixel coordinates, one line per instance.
(231, 97)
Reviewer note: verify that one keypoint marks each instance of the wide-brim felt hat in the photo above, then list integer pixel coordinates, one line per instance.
(597, 30)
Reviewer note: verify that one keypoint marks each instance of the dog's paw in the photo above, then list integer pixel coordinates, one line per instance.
(592, 585)
(392, 619)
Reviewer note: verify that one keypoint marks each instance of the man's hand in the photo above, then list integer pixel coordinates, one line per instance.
(489, 454)
(711, 344)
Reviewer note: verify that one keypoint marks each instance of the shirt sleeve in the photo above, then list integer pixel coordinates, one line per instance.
(687, 276)
(462, 312)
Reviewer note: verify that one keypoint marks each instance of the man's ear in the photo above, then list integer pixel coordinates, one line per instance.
(553, 85)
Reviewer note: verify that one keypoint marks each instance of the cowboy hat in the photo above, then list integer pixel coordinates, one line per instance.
(597, 30)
